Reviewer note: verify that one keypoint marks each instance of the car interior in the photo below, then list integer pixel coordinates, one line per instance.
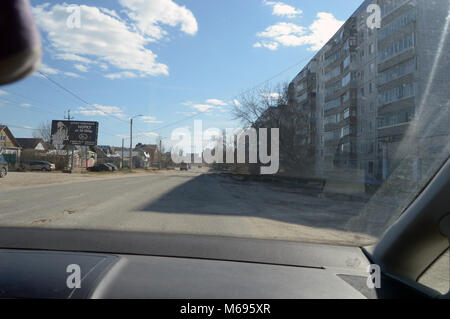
(123, 264)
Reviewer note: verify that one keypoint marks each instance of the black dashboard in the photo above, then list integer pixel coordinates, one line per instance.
(160, 266)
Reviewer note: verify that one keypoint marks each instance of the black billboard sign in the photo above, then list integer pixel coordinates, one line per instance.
(74, 133)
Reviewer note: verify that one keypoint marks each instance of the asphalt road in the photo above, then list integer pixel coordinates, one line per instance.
(194, 202)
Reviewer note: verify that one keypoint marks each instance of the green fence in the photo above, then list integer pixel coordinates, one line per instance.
(11, 159)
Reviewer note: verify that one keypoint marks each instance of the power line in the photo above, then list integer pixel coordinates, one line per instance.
(78, 97)
(242, 93)
(178, 121)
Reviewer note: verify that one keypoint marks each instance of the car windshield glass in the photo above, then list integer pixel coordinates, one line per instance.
(311, 121)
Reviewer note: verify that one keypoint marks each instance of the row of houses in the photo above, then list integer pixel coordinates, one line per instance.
(17, 150)
(375, 97)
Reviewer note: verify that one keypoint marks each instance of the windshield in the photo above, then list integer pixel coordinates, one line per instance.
(311, 121)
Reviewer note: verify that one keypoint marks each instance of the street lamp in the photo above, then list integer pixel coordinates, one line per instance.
(131, 140)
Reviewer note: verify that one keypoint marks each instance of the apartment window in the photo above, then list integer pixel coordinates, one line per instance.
(371, 49)
(372, 106)
(333, 73)
(361, 53)
(397, 71)
(396, 47)
(331, 119)
(303, 97)
(346, 62)
(397, 93)
(370, 168)
(332, 104)
(345, 97)
(372, 67)
(370, 88)
(390, 6)
(362, 92)
(345, 131)
(346, 113)
(396, 118)
(3, 137)
(333, 88)
(346, 80)
(345, 148)
(371, 148)
(396, 25)
(331, 135)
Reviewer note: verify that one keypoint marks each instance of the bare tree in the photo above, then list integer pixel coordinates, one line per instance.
(252, 105)
(274, 107)
(44, 131)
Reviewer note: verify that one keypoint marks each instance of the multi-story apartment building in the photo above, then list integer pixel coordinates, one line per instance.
(370, 82)
(302, 96)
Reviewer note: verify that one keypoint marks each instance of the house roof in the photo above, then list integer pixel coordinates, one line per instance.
(11, 136)
(30, 143)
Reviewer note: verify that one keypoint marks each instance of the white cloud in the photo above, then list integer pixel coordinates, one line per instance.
(322, 29)
(269, 45)
(73, 57)
(81, 67)
(150, 120)
(149, 15)
(48, 70)
(25, 105)
(121, 75)
(147, 134)
(52, 71)
(187, 113)
(216, 102)
(292, 35)
(236, 102)
(3, 93)
(283, 10)
(102, 35)
(71, 74)
(101, 110)
(208, 106)
(203, 107)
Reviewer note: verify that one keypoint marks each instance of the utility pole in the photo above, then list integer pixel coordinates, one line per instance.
(123, 142)
(159, 152)
(131, 145)
(131, 141)
(73, 148)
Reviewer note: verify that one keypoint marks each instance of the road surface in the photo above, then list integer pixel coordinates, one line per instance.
(193, 202)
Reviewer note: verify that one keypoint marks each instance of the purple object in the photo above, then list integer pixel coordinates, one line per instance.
(20, 48)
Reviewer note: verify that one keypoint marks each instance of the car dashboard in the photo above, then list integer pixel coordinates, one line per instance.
(160, 266)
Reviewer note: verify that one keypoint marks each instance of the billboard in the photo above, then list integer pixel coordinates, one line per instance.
(74, 133)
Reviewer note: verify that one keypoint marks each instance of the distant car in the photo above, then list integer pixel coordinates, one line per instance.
(113, 167)
(100, 168)
(184, 167)
(39, 166)
(3, 167)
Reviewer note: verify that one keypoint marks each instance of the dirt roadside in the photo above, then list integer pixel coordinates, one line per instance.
(15, 180)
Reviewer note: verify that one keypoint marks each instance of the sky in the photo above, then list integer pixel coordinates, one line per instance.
(172, 61)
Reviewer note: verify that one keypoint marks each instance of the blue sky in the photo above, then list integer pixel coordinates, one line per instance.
(165, 59)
